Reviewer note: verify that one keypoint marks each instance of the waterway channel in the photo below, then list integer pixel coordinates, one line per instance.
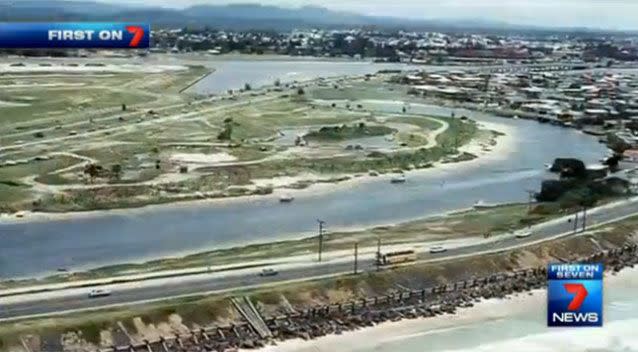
(39, 248)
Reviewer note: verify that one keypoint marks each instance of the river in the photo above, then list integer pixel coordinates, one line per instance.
(234, 74)
(39, 248)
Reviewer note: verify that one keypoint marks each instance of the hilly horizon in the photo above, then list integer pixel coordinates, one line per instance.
(246, 16)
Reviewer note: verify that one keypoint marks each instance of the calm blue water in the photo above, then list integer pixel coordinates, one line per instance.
(234, 74)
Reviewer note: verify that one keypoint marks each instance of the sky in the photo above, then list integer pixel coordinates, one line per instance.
(609, 14)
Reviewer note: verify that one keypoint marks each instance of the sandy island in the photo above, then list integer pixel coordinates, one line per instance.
(505, 144)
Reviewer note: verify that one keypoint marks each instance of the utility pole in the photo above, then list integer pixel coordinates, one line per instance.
(356, 256)
(530, 199)
(584, 218)
(576, 223)
(378, 261)
(321, 222)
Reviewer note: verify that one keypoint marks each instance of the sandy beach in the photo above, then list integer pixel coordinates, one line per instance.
(530, 304)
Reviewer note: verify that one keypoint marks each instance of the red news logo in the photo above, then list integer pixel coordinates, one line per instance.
(580, 293)
(138, 34)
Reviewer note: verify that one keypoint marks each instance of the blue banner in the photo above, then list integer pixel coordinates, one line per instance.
(74, 35)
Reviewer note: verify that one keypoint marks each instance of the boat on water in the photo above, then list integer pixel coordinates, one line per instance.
(548, 166)
(483, 205)
(398, 179)
(286, 198)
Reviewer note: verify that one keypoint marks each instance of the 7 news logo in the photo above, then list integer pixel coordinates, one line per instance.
(574, 296)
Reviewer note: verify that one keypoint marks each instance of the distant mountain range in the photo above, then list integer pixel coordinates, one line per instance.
(239, 17)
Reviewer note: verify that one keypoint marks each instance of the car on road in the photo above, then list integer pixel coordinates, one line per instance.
(437, 249)
(523, 234)
(268, 272)
(100, 292)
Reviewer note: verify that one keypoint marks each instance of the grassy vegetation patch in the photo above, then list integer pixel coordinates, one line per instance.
(344, 132)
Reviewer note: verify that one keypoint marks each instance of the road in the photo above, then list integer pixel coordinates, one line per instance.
(126, 294)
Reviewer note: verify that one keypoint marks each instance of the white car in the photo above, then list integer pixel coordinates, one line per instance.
(523, 234)
(268, 272)
(99, 293)
(437, 249)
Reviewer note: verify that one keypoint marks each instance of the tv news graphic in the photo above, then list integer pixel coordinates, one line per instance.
(75, 35)
(574, 295)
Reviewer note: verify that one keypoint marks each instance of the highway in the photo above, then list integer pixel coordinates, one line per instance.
(73, 300)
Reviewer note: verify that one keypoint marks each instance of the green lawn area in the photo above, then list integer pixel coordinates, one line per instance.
(11, 193)
(344, 132)
(360, 91)
(13, 173)
(264, 119)
(56, 102)
(62, 97)
(425, 123)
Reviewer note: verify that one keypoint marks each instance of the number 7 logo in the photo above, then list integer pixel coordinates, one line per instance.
(579, 291)
(138, 34)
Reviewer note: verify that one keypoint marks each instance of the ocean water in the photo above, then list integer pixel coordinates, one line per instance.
(515, 324)
(519, 325)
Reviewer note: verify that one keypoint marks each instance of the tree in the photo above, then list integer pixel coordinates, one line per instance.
(92, 170)
(300, 91)
(277, 82)
(226, 133)
(247, 87)
(116, 171)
